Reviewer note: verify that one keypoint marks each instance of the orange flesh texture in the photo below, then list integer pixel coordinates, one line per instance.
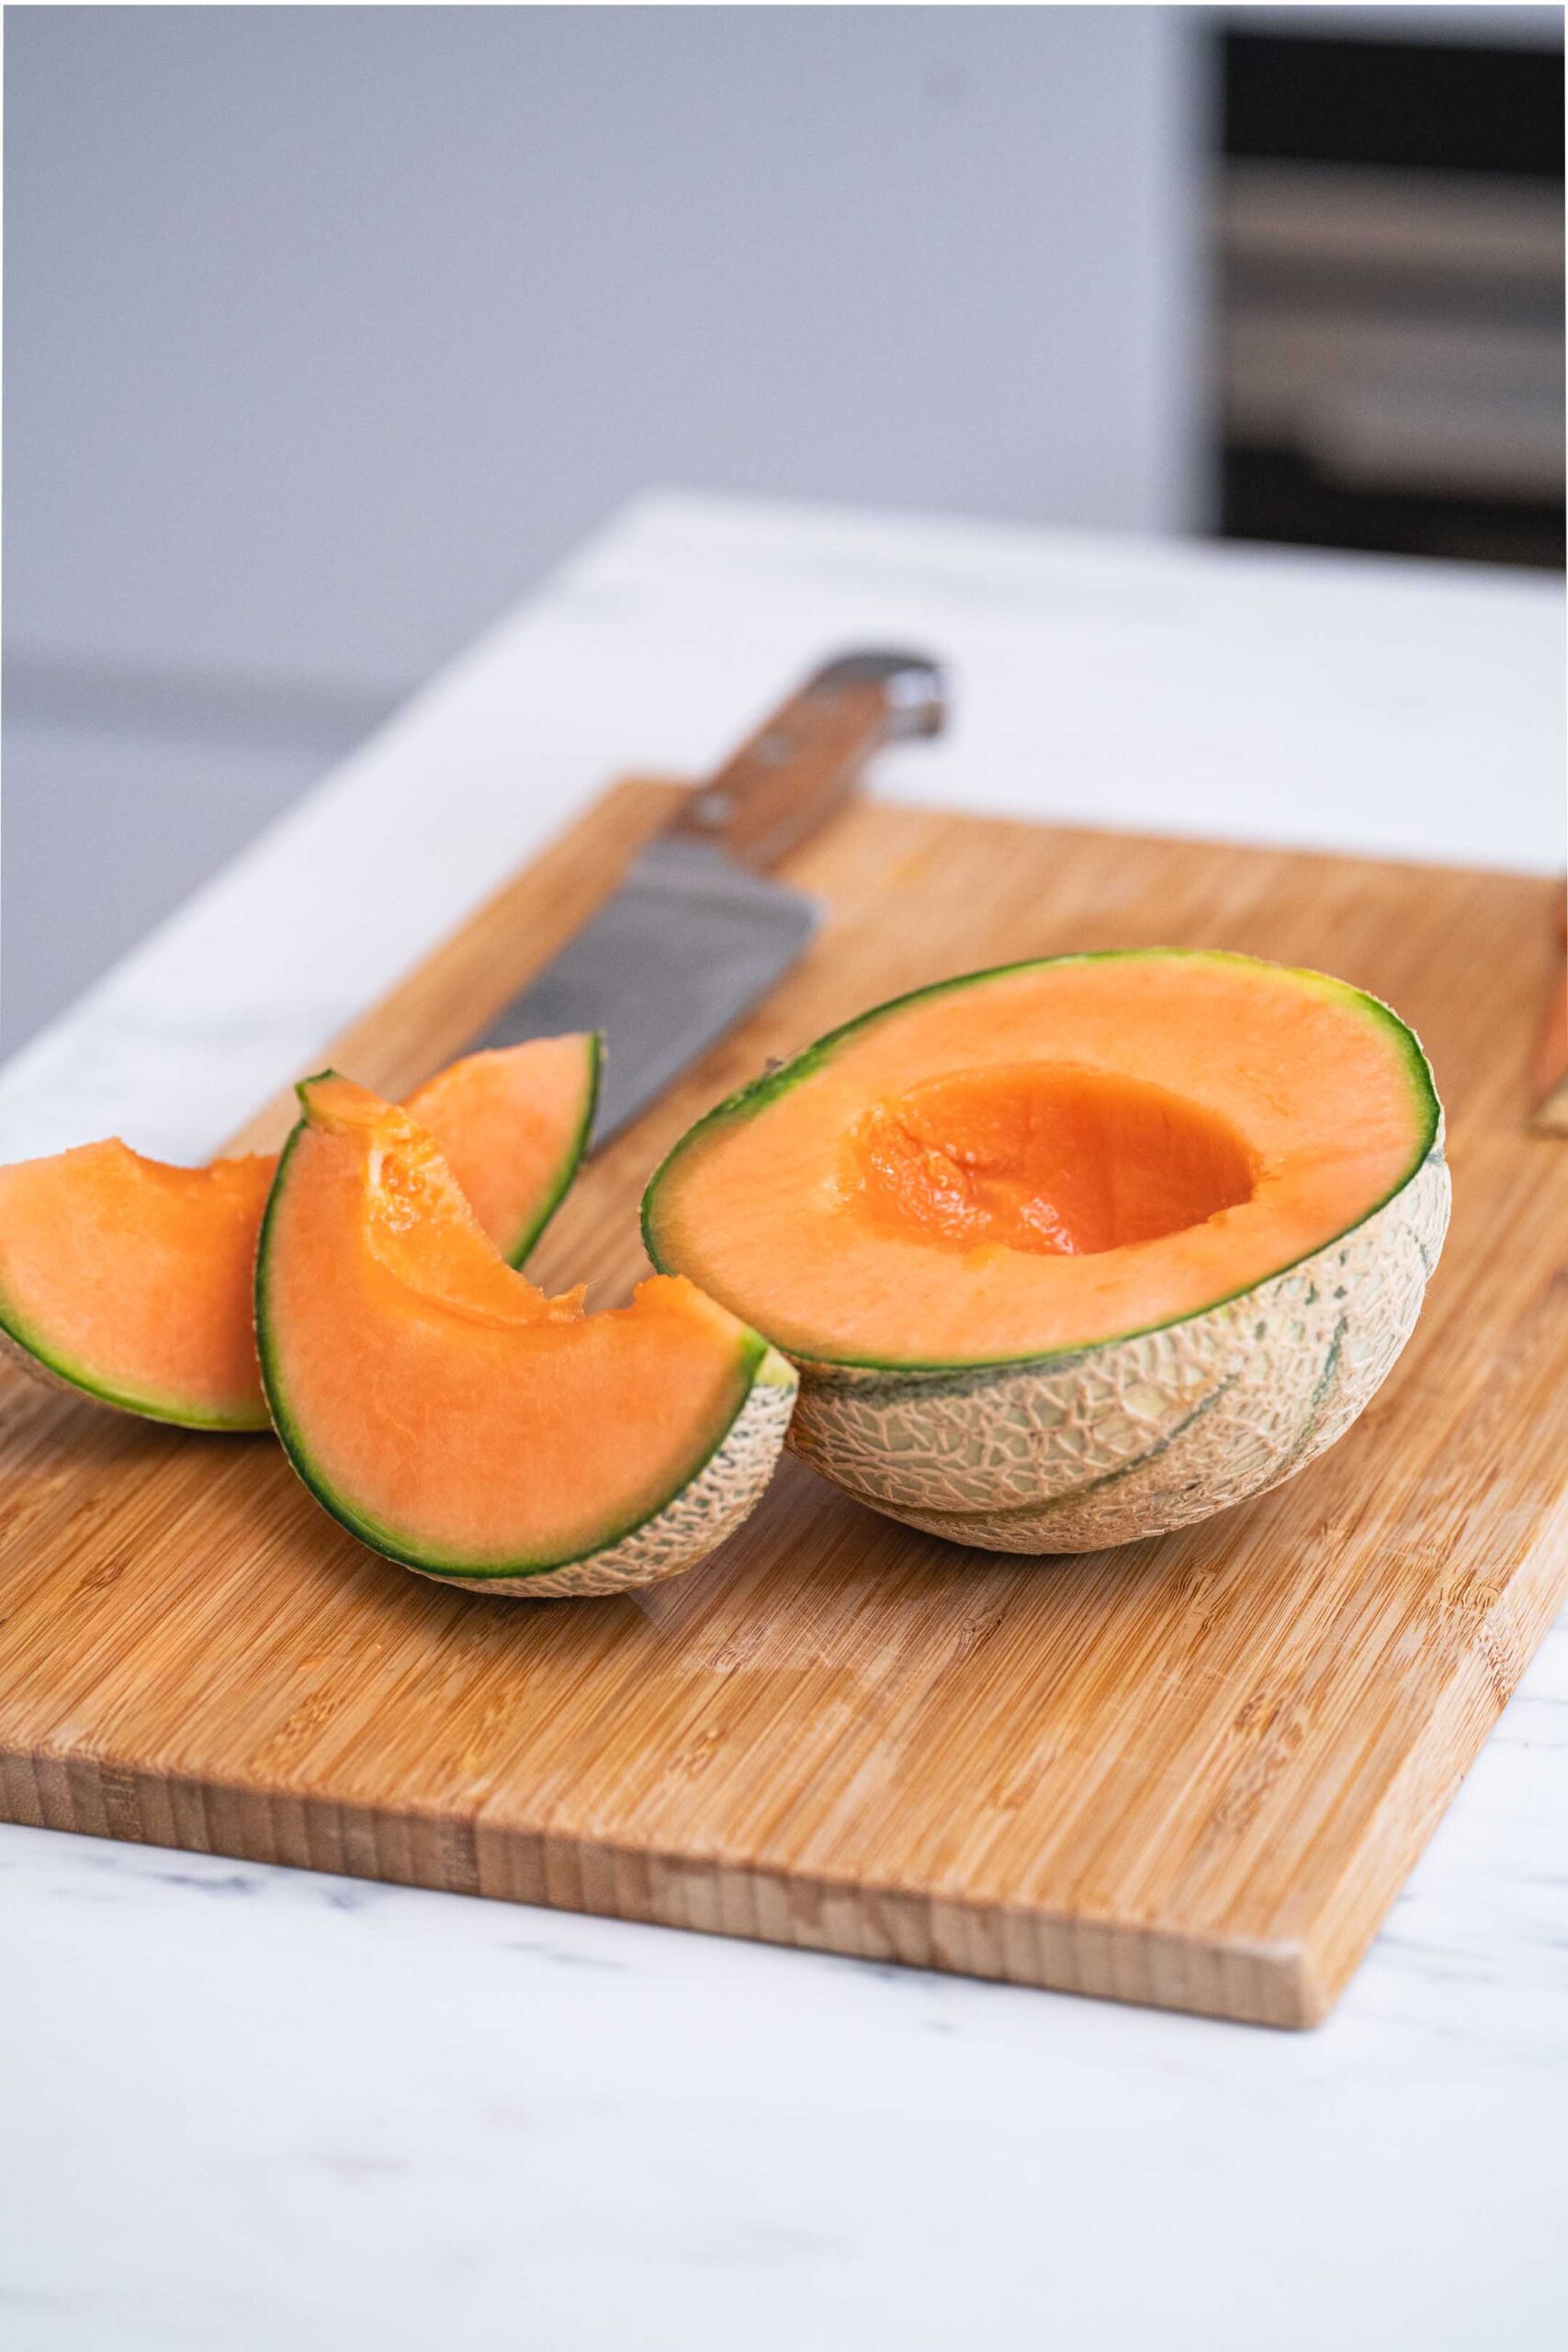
(1048, 1157)
(507, 1123)
(135, 1279)
(436, 1394)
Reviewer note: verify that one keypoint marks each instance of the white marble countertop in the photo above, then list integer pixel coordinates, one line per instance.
(249, 2108)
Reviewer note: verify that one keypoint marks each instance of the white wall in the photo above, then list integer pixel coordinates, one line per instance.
(327, 329)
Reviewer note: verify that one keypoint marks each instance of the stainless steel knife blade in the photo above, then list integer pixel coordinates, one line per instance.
(689, 942)
(697, 933)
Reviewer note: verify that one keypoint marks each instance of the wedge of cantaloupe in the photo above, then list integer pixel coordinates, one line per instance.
(131, 1281)
(1073, 1253)
(459, 1421)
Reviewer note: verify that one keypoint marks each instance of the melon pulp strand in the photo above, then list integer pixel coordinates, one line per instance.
(131, 1283)
(1073, 1252)
(459, 1421)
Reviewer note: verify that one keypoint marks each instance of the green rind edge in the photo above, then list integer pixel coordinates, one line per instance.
(748, 1099)
(756, 1354)
(570, 1161)
(123, 1400)
(386, 1541)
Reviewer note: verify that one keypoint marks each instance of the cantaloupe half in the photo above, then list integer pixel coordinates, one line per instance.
(461, 1422)
(1075, 1251)
(132, 1281)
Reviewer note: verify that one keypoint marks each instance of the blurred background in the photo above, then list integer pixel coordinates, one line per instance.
(328, 331)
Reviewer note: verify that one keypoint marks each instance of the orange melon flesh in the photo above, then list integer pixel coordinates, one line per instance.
(133, 1281)
(512, 1127)
(1044, 1158)
(439, 1403)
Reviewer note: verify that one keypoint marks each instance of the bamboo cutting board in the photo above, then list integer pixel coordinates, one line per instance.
(1192, 1772)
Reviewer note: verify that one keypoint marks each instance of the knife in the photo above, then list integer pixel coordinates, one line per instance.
(697, 932)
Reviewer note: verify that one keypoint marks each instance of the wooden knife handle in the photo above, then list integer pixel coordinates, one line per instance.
(804, 762)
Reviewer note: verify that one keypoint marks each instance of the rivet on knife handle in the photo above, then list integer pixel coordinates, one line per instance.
(803, 762)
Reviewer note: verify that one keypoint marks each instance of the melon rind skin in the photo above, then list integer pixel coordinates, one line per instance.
(693, 1522)
(40, 1368)
(1133, 1437)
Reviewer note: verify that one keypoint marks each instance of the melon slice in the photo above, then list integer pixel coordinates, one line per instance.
(1079, 1251)
(461, 1422)
(128, 1281)
(132, 1282)
(513, 1127)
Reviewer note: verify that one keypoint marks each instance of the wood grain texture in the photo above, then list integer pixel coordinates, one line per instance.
(1194, 1771)
(1551, 1056)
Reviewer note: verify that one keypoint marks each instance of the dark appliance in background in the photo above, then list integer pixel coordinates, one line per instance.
(1391, 290)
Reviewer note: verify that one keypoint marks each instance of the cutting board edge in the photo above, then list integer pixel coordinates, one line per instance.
(1486, 1674)
(1285, 1982)
(61, 1789)
(1290, 1983)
